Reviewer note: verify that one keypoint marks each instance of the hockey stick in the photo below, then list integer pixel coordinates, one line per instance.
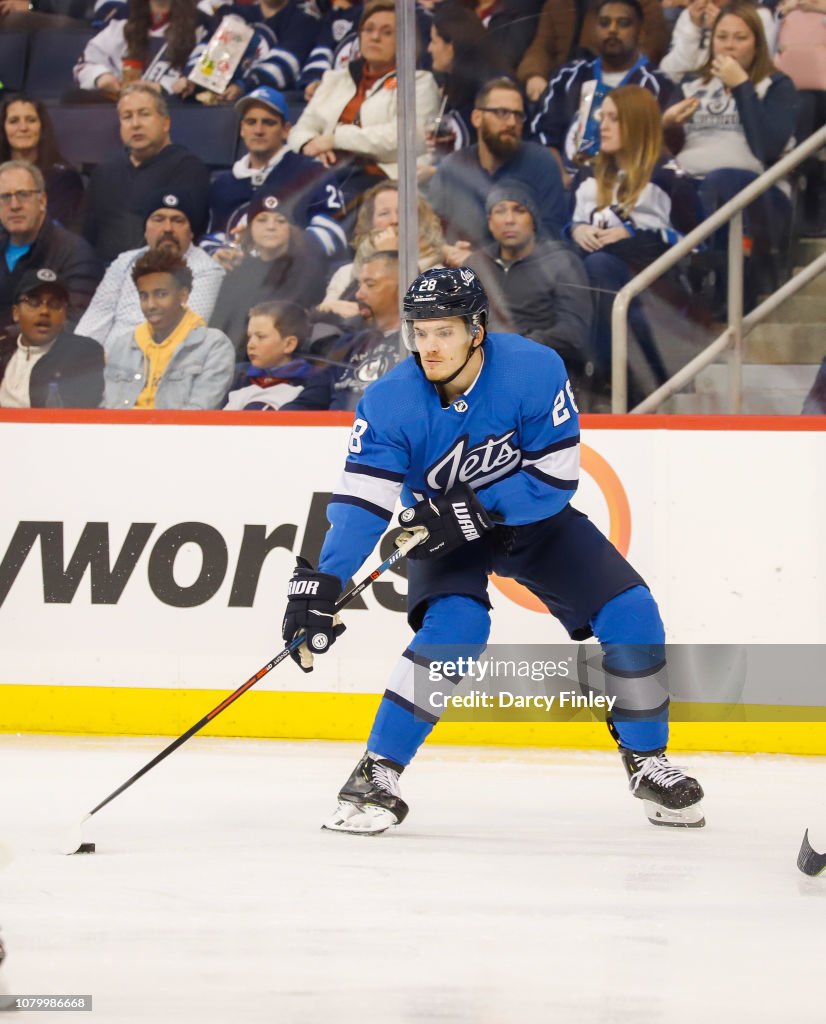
(414, 538)
(809, 860)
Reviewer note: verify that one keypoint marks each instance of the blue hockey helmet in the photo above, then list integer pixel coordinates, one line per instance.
(444, 292)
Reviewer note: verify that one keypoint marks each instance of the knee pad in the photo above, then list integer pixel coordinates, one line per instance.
(455, 619)
(630, 630)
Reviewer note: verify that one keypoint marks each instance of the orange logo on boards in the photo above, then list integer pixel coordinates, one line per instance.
(619, 530)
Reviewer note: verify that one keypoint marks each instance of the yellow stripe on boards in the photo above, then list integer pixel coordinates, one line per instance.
(348, 716)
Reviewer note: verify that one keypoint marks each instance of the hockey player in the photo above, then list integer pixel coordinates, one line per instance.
(476, 427)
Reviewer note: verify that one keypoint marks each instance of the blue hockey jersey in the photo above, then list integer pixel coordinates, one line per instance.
(513, 437)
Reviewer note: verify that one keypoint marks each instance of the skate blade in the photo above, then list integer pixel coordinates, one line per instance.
(360, 821)
(683, 817)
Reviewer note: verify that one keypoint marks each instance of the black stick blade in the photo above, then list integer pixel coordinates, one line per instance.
(810, 861)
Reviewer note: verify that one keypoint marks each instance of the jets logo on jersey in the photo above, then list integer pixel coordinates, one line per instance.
(480, 465)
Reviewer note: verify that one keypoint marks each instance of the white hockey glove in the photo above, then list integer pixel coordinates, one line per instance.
(311, 610)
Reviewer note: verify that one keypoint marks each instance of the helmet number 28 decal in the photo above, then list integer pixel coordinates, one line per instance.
(354, 444)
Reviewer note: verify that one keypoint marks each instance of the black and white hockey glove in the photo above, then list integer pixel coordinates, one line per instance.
(311, 610)
(451, 520)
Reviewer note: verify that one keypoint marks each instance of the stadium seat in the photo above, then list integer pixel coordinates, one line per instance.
(13, 49)
(86, 134)
(209, 132)
(51, 59)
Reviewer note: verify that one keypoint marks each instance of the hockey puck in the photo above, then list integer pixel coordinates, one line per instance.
(86, 848)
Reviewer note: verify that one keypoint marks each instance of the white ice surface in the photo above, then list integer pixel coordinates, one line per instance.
(525, 886)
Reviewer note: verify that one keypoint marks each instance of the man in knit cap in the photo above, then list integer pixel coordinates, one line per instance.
(167, 216)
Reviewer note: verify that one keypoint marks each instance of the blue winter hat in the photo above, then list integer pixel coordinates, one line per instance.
(268, 97)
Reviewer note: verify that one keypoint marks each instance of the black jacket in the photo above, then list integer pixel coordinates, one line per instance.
(68, 255)
(545, 296)
(118, 190)
(73, 362)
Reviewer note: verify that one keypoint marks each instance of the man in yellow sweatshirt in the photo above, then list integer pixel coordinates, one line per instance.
(172, 360)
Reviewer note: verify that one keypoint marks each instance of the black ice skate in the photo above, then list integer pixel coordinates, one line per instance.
(670, 797)
(370, 800)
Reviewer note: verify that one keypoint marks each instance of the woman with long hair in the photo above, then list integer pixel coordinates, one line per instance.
(463, 57)
(377, 230)
(627, 213)
(128, 50)
(736, 120)
(279, 263)
(28, 135)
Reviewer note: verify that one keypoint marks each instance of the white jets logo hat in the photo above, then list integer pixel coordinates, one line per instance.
(467, 276)
(270, 202)
(46, 275)
(170, 200)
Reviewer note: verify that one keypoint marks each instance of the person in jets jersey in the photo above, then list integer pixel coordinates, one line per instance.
(479, 434)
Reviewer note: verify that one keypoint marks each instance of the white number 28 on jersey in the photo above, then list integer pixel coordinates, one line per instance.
(354, 444)
(560, 411)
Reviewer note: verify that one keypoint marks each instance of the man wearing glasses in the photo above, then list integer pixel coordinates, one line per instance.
(47, 365)
(28, 240)
(459, 188)
(568, 117)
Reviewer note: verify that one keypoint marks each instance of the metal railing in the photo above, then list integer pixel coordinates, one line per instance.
(738, 325)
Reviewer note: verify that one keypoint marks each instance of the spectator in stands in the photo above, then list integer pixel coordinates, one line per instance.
(28, 135)
(692, 36)
(801, 54)
(736, 120)
(377, 230)
(47, 364)
(567, 27)
(118, 188)
(115, 308)
(567, 118)
(172, 360)
(30, 240)
(300, 183)
(371, 351)
(153, 42)
(537, 286)
(512, 25)
(274, 378)
(459, 189)
(336, 45)
(350, 123)
(463, 56)
(278, 263)
(286, 31)
(627, 214)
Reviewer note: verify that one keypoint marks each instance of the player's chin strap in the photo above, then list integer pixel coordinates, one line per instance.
(446, 380)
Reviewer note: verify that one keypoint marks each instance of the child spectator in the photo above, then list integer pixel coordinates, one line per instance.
(28, 135)
(47, 364)
(172, 360)
(279, 263)
(627, 213)
(274, 378)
